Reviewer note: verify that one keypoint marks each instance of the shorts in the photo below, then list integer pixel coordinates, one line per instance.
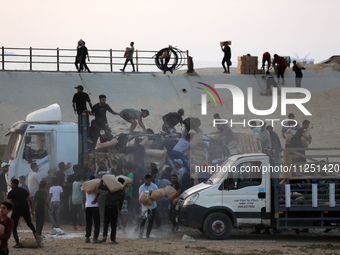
(126, 117)
(125, 207)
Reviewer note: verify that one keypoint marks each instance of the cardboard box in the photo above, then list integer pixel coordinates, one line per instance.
(222, 43)
(239, 58)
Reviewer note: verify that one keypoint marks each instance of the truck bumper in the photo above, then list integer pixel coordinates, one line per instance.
(192, 215)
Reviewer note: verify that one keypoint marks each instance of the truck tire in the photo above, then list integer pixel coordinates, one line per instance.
(217, 226)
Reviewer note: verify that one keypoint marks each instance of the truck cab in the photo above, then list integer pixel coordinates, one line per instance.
(41, 138)
(238, 194)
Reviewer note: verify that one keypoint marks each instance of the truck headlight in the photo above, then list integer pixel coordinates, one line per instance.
(190, 200)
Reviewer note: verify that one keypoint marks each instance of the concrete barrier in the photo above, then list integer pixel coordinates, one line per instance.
(24, 92)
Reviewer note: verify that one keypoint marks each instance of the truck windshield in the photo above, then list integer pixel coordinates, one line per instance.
(12, 147)
(220, 171)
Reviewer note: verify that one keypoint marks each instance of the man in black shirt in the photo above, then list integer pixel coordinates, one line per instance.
(298, 74)
(77, 60)
(226, 58)
(171, 119)
(18, 197)
(113, 205)
(299, 134)
(79, 100)
(83, 55)
(99, 110)
(172, 214)
(79, 104)
(191, 123)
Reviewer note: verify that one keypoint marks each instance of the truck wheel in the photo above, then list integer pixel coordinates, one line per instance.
(217, 226)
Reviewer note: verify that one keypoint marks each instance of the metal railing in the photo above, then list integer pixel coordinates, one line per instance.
(48, 59)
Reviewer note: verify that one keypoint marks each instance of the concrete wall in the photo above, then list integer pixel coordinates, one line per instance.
(24, 92)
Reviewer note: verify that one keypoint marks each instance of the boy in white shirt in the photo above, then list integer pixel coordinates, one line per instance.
(55, 192)
(92, 213)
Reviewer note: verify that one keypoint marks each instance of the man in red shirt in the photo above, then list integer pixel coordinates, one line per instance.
(8, 223)
(281, 67)
(266, 58)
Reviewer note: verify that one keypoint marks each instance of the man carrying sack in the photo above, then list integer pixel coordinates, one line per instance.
(128, 55)
(148, 212)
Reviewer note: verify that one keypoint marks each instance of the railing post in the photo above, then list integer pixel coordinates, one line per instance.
(111, 67)
(137, 61)
(30, 58)
(57, 59)
(3, 57)
(187, 57)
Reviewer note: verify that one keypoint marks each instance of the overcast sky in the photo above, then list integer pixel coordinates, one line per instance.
(253, 26)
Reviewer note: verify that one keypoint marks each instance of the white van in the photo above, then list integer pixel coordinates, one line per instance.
(242, 194)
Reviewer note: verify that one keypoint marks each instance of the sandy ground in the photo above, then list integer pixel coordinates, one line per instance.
(163, 241)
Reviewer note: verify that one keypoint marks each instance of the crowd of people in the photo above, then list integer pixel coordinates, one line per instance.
(66, 196)
(280, 65)
(82, 54)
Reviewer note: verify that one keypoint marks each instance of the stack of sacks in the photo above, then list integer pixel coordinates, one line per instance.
(144, 198)
(196, 155)
(90, 186)
(127, 180)
(157, 194)
(112, 183)
(168, 192)
(107, 145)
(152, 155)
(126, 183)
(146, 143)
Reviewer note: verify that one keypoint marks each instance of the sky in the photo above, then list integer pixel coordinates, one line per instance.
(286, 28)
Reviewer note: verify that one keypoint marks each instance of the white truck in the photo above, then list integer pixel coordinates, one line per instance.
(44, 139)
(242, 193)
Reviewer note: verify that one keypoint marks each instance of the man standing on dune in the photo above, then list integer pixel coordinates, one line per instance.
(227, 57)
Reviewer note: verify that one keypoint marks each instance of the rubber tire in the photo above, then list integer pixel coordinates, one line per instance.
(208, 226)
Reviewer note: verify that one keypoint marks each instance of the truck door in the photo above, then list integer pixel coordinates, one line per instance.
(244, 192)
(39, 148)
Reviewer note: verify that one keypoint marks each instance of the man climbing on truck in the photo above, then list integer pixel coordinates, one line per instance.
(99, 111)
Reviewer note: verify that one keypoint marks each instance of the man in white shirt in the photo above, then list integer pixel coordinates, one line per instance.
(33, 180)
(55, 192)
(92, 213)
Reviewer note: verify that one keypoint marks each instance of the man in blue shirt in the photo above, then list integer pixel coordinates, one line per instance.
(182, 145)
(147, 211)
